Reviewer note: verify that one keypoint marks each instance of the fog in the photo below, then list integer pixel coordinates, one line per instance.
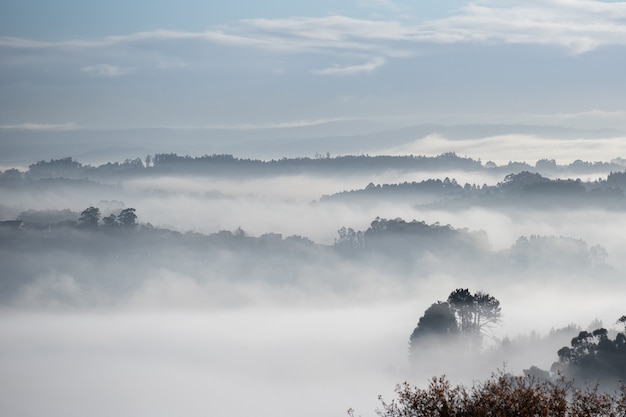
(503, 148)
(238, 362)
(187, 315)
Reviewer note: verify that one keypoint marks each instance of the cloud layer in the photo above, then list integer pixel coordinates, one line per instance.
(485, 56)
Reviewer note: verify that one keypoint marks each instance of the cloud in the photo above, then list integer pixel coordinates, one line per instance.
(577, 25)
(269, 125)
(40, 126)
(529, 148)
(352, 69)
(106, 70)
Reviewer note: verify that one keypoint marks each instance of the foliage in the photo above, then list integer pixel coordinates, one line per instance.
(594, 355)
(396, 237)
(464, 314)
(475, 312)
(110, 220)
(438, 321)
(565, 252)
(90, 217)
(127, 217)
(503, 395)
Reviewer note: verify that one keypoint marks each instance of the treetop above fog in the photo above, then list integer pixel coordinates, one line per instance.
(463, 314)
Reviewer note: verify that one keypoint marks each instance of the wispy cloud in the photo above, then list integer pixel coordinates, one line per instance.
(107, 71)
(352, 69)
(580, 25)
(40, 126)
(271, 125)
(576, 25)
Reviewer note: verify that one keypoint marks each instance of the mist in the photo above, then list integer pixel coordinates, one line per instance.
(237, 294)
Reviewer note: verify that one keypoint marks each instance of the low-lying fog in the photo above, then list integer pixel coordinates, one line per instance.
(100, 327)
(163, 353)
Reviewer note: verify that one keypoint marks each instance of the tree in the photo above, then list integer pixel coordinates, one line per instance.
(348, 238)
(438, 321)
(488, 311)
(127, 217)
(90, 217)
(475, 313)
(110, 220)
(594, 355)
(464, 313)
(462, 303)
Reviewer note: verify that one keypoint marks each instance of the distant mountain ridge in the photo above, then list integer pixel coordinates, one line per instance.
(21, 147)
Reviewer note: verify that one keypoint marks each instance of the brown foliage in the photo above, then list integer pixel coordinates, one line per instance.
(506, 396)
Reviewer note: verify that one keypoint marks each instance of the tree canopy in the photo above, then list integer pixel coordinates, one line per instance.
(90, 217)
(438, 320)
(594, 355)
(465, 314)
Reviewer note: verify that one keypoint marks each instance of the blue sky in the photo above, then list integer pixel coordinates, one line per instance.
(73, 64)
(64, 18)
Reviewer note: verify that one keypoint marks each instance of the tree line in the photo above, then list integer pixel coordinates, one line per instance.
(226, 163)
(532, 187)
(90, 218)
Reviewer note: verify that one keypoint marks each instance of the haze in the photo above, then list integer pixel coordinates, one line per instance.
(256, 284)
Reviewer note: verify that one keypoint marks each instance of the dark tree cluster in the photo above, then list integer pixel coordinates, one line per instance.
(594, 355)
(438, 320)
(463, 314)
(90, 218)
(531, 187)
(432, 188)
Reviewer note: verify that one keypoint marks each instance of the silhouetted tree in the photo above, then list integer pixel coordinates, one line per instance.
(488, 311)
(462, 303)
(475, 312)
(90, 217)
(594, 355)
(127, 217)
(463, 314)
(438, 321)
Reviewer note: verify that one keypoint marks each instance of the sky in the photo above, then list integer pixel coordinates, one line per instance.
(72, 64)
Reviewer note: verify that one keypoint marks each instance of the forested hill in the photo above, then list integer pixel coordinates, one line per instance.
(170, 163)
(527, 187)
